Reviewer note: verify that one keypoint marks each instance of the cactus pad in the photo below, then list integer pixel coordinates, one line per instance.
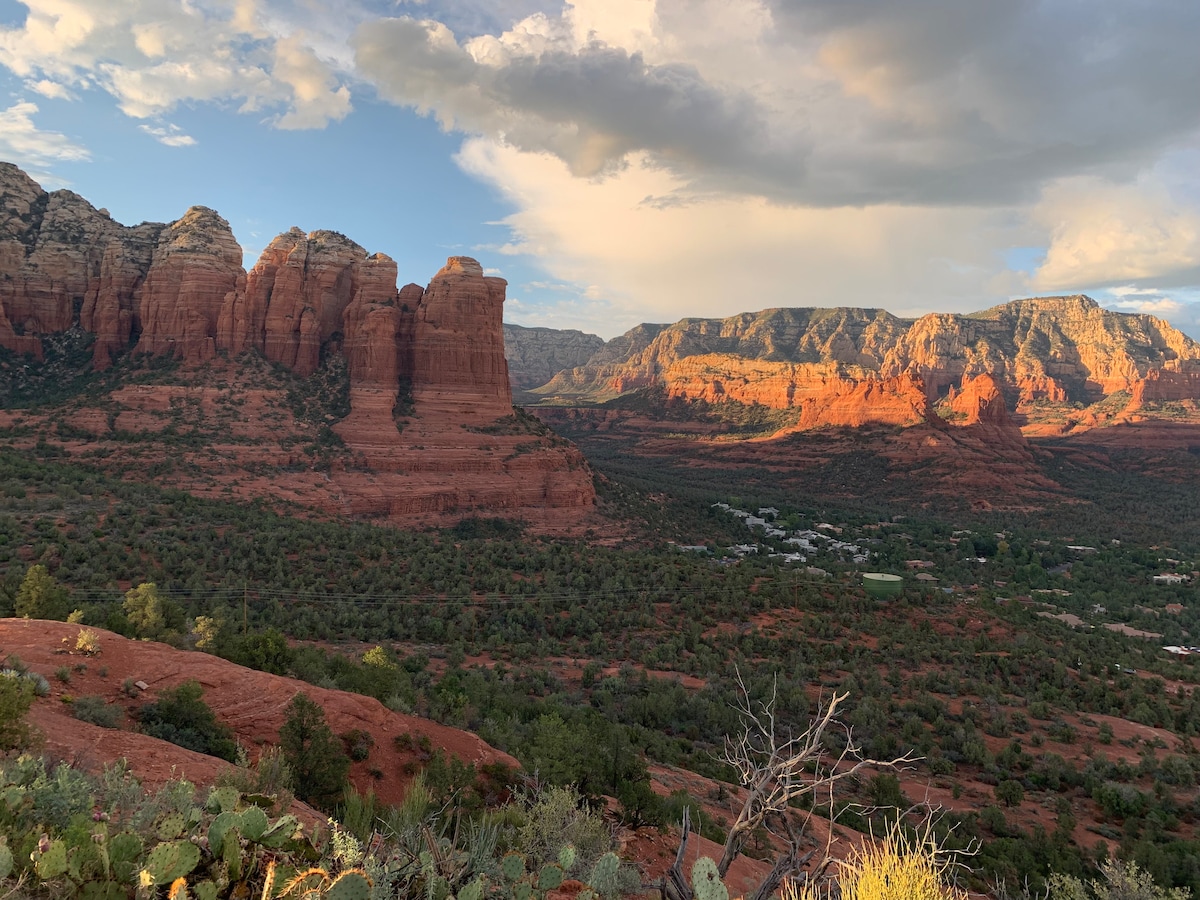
(513, 866)
(53, 862)
(219, 828)
(254, 822)
(550, 878)
(473, 891)
(279, 832)
(169, 861)
(222, 799)
(6, 860)
(353, 884)
(566, 857)
(603, 879)
(171, 826)
(103, 890)
(706, 881)
(205, 890)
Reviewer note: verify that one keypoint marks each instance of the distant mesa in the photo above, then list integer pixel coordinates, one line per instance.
(1044, 366)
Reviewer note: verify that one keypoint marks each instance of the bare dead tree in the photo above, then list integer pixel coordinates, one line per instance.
(777, 770)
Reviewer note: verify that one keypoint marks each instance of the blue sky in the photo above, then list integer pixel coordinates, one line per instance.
(621, 161)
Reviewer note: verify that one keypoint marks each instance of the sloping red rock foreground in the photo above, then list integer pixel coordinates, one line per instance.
(250, 702)
(179, 290)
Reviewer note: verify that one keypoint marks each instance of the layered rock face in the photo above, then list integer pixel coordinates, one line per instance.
(1051, 353)
(458, 342)
(535, 355)
(63, 262)
(180, 289)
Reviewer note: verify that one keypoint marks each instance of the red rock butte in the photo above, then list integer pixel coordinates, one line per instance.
(179, 289)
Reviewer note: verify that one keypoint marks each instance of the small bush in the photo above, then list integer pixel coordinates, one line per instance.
(87, 643)
(97, 711)
(63, 674)
(182, 717)
(895, 868)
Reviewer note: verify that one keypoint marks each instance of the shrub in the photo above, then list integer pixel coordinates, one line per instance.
(182, 717)
(97, 711)
(16, 696)
(1122, 881)
(87, 643)
(558, 817)
(895, 868)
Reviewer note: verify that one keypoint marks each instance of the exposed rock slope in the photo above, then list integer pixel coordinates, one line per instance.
(535, 355)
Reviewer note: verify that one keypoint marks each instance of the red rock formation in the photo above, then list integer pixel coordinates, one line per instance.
(980, 402)
(112, 299)
(196, 264)
(57, 255)
(458, 344)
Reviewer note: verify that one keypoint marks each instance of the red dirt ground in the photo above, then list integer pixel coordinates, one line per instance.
(249, 702)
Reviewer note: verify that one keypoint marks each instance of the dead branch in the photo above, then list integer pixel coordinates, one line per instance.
(775, 771)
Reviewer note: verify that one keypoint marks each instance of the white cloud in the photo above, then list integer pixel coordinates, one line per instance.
(152, 55)
(1104, 234)
(660, 263)
(50, 89)
(169, 135)
(23, 143)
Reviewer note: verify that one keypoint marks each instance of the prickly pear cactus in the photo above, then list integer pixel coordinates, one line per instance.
(103, 890)
(172, 860)
(253, 822)
(603, 879)
(179, 890)
(550, 878)
(706, 881)
(353, 884)
(172, 826)
(473, 891)
(205, 890)
(124, 849)
(222, 799)
(279, 832)
(513, 866)
(566, 857)
(52, 862)
(6, 859)
(221, 826)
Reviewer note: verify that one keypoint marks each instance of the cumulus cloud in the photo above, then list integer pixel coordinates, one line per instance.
(649, 262)
(169, 135)
(1103, 234)
(152, 55)
(23, 143)
(816, 102)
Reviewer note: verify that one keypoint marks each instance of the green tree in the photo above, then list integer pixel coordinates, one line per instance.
(314, 753)
(1009, 792)
(16, 696)
(145, 611)
(40, 596)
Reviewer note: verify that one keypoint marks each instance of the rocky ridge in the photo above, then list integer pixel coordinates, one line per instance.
(430, 430)
(1048, 359)
(535, 355)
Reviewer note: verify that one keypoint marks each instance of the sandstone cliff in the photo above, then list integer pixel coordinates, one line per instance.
(1045, 357)
(429, 403)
